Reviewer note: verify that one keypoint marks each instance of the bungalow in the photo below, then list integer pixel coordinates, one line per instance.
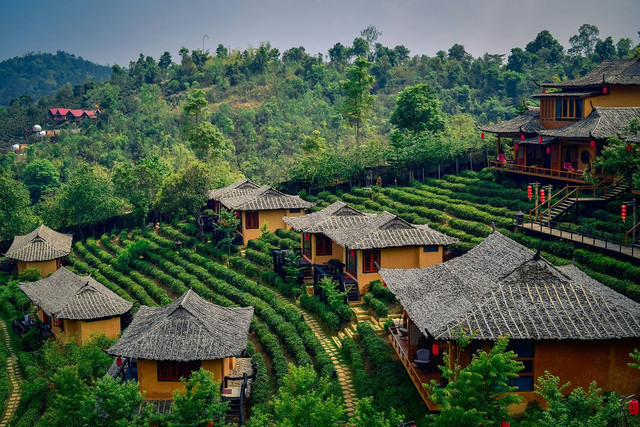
(365, 242)
(557, 318)
(168, 343)
(61, 115)
(562, 137)
(257, 205)
(76, 307)
(43, 249)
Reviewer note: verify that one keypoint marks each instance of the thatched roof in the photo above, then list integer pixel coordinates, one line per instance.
(601, 123)
(66, 295)
(564, 94)
(42, 244)
(245, 195)
(336, 215)
(621, 72)
(351, 228)
(527, 122)
(500, 287)
(188, 329)
(633, 138)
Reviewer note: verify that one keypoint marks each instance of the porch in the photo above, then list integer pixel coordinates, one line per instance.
(538, 171)
(419, 376)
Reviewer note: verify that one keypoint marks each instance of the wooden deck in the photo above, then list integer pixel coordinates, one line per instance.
(418, 377)
(564, 175)
(630, 251)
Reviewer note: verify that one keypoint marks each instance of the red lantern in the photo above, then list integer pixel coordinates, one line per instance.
(593, 143)
(59, 323)
(384, 284)
(629, 147)
(119, 361)
(238, 214)
(623, 213)
(215, 204)
(548, 150)
(529, 192)
(540, 139)
(435, 349)
(544, 91)
(482, 135)
(542, 198)
(505, 424)
(634, 407)
(306, 237)
(516, 147)
(522, 137)
(352, 253)
(604, 90)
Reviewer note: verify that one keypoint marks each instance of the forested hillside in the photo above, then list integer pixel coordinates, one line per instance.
(275, 116)
(33, 75)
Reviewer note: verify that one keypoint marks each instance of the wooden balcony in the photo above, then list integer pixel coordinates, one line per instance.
(418, 377)
(564, 175)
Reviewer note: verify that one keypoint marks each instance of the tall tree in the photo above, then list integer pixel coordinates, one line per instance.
(418, 109)
(186, 192)
(359, 102)
(203, 136)
(585, 41)
(40, 177)
(15, 210)
(110, 403)
(200, 405)
(370, 34)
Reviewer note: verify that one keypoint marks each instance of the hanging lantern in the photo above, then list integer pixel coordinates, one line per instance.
(593, 143)
(542, 198)
(629, 147)
(215, 204)
(306, 237)
(604, 90)
(529, 192)
(548, 150)
(517, 146)
(59, 323)
(623, 212)
(482, 135)
(352, 254)
(238, 214)
(119, 361)
(522, 137)
(384, 284)
(505, 424)
(540, 139)
(544, 91)
(435, 349)
(634, 407)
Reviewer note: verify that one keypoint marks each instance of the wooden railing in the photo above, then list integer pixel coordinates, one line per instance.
(415, 377)
(629, 232)
(537, 170)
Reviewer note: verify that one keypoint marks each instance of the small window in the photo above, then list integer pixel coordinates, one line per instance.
(251, 220)
(430, 248)
(525, 351)
(173, 371)
(297, 210)
(370, 259)
(323, 245)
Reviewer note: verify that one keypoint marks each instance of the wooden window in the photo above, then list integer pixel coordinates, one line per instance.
(547, 109)
(369, 261)
(352, 262)
(172, 371)
(430, 248)
(323, 245)
(251, 220)
(296, 210)
(568, 109)
(525, 350)
(306, 245)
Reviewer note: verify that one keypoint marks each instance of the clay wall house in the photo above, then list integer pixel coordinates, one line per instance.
(43, 249)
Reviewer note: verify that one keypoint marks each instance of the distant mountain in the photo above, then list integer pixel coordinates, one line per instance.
(38, 74)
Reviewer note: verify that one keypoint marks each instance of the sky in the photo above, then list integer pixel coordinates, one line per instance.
(117, 31)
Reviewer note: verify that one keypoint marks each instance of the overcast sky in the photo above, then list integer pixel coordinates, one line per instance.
(117, 31)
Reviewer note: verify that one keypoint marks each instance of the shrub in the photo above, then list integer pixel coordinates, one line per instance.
(378, 306)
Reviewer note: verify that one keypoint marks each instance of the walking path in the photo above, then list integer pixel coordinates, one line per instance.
(14, 378)
(586, 240)
(345, 376)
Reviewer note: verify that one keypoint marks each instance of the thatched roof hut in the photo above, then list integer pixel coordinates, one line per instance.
(42, 244)
(245, 195)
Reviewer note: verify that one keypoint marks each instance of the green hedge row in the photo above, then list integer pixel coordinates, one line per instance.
(363, 383)
(378, 306)
(313, 304)
(263, 259)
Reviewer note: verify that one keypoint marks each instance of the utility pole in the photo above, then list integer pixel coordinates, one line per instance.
(536, 193)
(549, 205)
(632, 203)
(204, 37)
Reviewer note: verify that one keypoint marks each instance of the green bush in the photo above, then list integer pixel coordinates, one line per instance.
(378, 306)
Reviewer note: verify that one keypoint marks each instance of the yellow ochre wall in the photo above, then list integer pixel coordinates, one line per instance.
(617, 96)
(337, 252)
(82, 330)
(274, 221)
(405, 257)
(45, 267)
(154, 389)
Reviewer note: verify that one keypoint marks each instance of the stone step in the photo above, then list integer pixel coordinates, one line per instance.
(336, 341)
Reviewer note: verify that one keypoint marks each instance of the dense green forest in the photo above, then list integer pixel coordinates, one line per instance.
(33, 75)
(273, 116)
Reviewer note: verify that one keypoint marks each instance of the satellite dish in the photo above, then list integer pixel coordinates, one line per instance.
(37, 128)
(42, 134)
(15, 147)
